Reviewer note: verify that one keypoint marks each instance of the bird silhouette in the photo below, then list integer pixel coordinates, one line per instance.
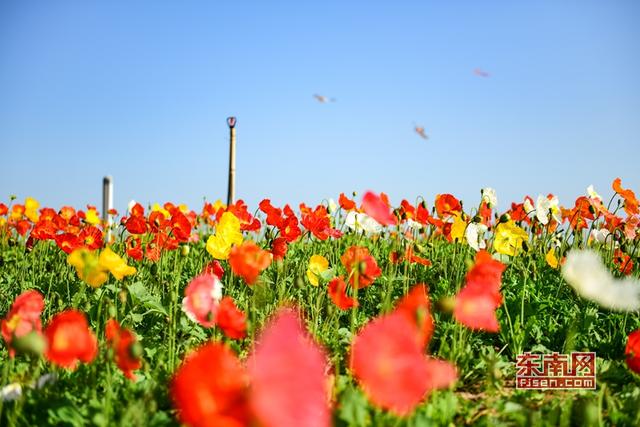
(420, 131)
(480, 73)
(323, 99)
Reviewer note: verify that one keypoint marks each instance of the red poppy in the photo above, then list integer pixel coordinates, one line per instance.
(388, 363)
(477, 302)
(274, 215)
(3, 209)
(630, 200)
(91, 237)
(318, 222)
(215, 268)
(337, 290)
(417, 308)
(70, 340)
(346, 203)
(23, 317)
(279, 248)
(248, 260)
(44, 230)
(288, 376)
(123, 342)
(22, 227)
(446, 205)
(289, 229)
(623, 261)
(377, 209)
(134, 248)
(206, 400)
(240, 210)
(231, 320)
(136, 225)
(361, 266)
(181, 227)
(157, 222)
(632, 351)
(68, 242)
(413, 258)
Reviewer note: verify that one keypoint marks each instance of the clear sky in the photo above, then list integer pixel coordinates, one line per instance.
(141, 90)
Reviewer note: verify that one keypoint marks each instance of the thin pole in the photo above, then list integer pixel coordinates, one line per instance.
(107, 203)
(231, 122)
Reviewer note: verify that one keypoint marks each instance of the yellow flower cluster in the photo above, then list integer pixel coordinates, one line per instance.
(93, 268)
(227, 234)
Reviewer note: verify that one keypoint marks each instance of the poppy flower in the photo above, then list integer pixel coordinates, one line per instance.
(630, 200)
(123, 343)
(133, 247)
(136, 225)
(362, 222)
(70, 340)
(337, 290)
(388, 362)
(202, 296)
(68, 242)
(230, 319)
(361, 266)
(289, 228)
(632, 351)
(476, 303)
(509, 238)
(88, 266)
(248, 260)
(206, 400)
(91, 238)
(417, 308)
(346, 203)
(274, 215)
(181, 227)
(31, 206)
(378, 209)
(227, 234)
(288, 375)
(22, 318)
(446, 205)
(115, 264)
(279, 248)
(317, 265)
(413, 258)
(215, 268)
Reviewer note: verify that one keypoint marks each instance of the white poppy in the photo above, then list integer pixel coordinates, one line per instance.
(528, 207)
(544, 205)
(332, 206)
(475, 235)
(362, 222)
(592, 193)
(415, 225)
(489, 195)
(10, 392)
(601, 235)
(586, 273)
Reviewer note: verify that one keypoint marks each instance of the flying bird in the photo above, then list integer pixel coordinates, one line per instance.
(323, 99)
(480, 73)
(420, 131)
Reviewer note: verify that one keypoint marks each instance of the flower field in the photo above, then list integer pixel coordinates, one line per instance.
(354, 312)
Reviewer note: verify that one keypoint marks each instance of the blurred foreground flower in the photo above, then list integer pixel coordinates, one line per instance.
(632, 351)
(476, 303)
(23, 318)
(586, 273)
(288, 375)
(126, 350)
(70, 340)
(377, 207)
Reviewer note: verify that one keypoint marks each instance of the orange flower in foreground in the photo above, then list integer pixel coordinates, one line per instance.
(209, 388)
(361, 266)
(248, 260)
(288, 376)
(477, 302)
(123, 341)
(23, 317)
(388, 361)
(70, 340)
(632, 351)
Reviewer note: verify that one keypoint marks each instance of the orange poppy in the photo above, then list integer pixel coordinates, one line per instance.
(248, 260)
(123, 342)
(361, 266)
(70, 340)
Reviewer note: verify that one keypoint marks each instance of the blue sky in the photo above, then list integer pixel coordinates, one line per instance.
(140, 90)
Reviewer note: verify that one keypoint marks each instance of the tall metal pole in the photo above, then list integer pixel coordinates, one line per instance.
(231, 122)
(107, 203)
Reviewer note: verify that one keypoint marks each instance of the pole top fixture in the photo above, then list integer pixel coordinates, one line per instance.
(231, 121)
